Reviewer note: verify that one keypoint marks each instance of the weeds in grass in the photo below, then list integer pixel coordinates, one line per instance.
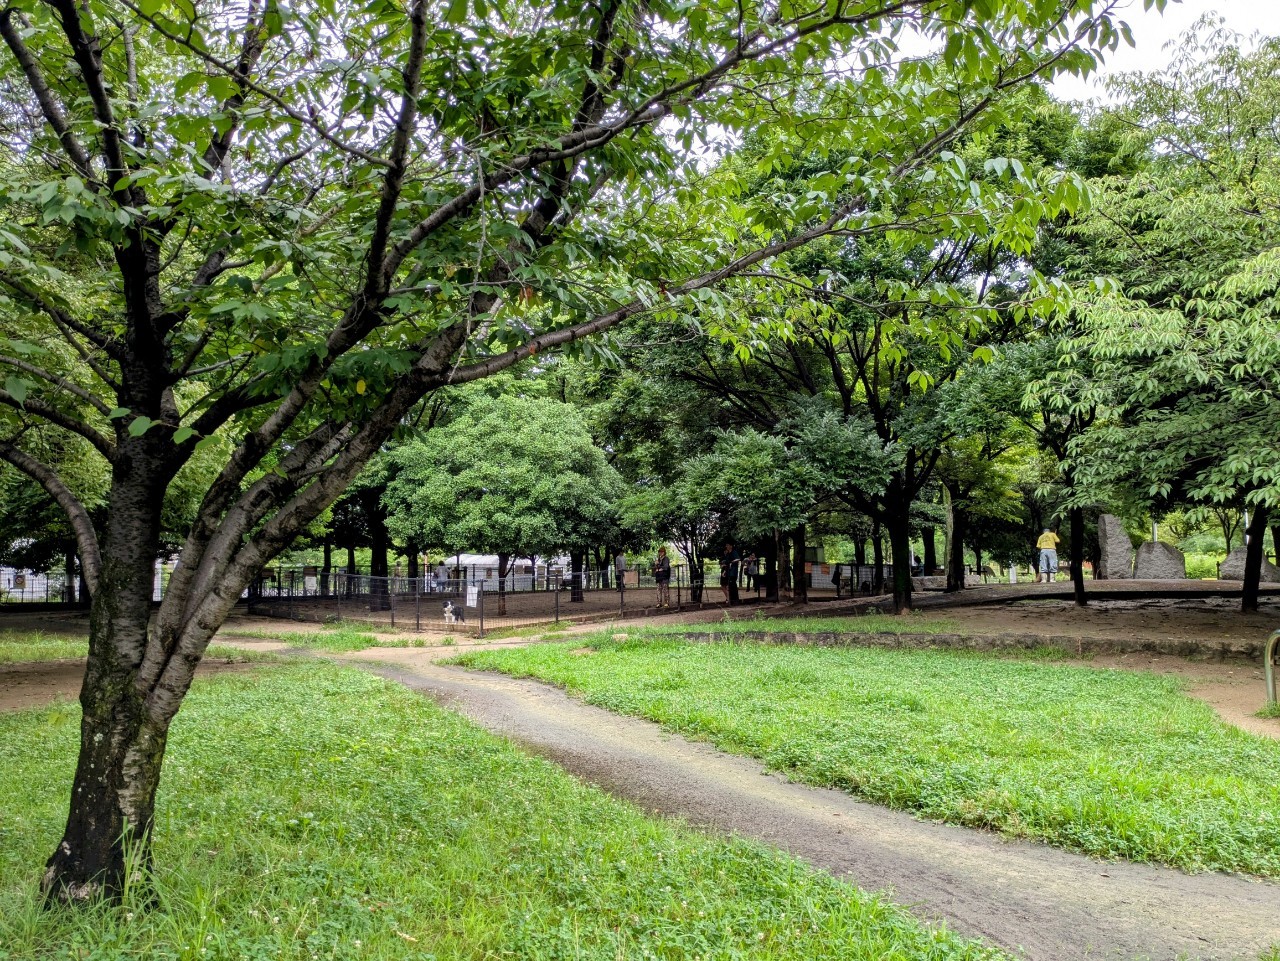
(915, 623)
(1113, 763)
(1271, 710)
(33, 646)
(18, 647)
(311, 811)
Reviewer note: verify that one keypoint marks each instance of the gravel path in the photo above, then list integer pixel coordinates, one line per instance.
(1049, 904)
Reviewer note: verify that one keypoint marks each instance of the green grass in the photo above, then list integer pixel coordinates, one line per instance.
(1271, 710)
(316, 812)
(1112, 763)
(22, 647)
(853, 624)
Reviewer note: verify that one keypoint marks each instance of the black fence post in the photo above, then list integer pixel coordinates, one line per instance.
(557, 596)
(417, 604)
(480, 603)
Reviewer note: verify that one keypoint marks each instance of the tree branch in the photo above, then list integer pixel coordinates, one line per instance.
(49, 106)
(39, 408)
(46, 477)
(57, 381)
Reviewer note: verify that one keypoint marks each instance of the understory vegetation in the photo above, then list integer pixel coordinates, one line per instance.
(315, 812)
(1112, 763)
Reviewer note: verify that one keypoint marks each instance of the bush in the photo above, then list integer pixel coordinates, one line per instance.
(1201, 566)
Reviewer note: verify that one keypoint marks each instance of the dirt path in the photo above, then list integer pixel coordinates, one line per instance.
(1050, 904)
(38, 683)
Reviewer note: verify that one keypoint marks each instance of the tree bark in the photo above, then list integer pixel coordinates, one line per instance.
(379, 544)
(784, 564)
(1275, 544)
(769, 557)
(899, 524)
(877, 558)
(1076, 515)
(930, 560)
(959, 530)
(1253, 559)
(122, 737)
(504, 563)
(326, 571)
(800, 593)
(576, 559)
(69, 574)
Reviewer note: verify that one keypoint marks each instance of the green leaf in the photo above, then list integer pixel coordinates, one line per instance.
(17, 388)
(140, 426)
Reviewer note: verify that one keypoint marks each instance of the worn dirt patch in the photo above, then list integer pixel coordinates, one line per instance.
(38, 683)
(1050, 905)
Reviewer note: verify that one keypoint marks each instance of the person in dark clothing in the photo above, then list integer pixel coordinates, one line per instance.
(662, 577)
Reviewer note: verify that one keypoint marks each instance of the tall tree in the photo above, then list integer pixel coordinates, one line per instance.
(1190, 349)
(285, 224)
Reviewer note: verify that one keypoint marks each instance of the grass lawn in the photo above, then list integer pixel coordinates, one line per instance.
(19, 647)
(916, 623)
(1113, 763)
(313, 811)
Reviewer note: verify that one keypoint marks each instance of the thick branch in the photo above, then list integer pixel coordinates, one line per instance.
(38, 408)
(57, 381)
(44, 96)
(86, 536)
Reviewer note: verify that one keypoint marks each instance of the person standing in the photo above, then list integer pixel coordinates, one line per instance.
(1048, 547)
(751, 567)
(620, 569)
(662, 577)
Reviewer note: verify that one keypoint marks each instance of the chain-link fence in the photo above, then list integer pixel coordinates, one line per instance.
(474, 605)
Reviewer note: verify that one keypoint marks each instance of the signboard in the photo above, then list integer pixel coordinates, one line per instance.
(473, 595)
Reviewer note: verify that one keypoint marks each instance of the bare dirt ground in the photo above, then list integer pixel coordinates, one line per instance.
(39, 683)
(1047, 904)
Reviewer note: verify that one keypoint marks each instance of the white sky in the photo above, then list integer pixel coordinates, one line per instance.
(1152, 31)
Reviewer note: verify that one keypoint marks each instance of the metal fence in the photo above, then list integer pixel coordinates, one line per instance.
(477, 605)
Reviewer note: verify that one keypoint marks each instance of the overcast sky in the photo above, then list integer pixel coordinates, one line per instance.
(1152, 31)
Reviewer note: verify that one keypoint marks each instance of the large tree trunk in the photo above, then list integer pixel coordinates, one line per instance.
(899, 523)
(326, 569)
(877, 558)
(770, 569)
(122, 737)
(801, 592)
(1077, 554)
(930, 560)
(1275, 543)
(784, 564)
(576, 559)
(957, 534)
(1253, 559)
(504, 564)
(69, 574)
(379, 545)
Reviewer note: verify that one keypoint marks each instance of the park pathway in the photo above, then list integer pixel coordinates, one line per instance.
(1050, 905)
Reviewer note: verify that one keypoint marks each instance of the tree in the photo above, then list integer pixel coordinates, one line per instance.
(282, 226)
(1190, 350)
(512, 476)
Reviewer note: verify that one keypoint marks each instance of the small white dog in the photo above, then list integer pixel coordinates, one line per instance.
(453, 615)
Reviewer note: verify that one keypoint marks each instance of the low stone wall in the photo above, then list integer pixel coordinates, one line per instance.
(1212, 650)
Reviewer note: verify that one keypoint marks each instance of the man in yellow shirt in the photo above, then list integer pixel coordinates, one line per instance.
(1048, 545)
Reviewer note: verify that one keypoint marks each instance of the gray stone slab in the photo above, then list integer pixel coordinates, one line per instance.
(1232, 569)
(1117, 549)
(1157, 561)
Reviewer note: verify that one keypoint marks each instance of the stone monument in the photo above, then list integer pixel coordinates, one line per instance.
(1157, 561)
(1232, 569)
(1117, 549)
